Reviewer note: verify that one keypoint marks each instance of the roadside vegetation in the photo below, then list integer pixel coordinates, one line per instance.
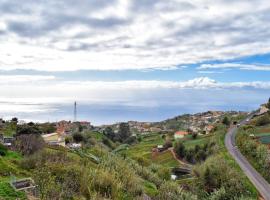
(253, 141)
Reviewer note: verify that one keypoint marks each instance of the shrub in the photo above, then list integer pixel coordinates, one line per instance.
(263, 120)
(164, 173)
(216, 173)
(179, 149)
(78, 137)
(172, 191)
(3, 150)
(28, 144)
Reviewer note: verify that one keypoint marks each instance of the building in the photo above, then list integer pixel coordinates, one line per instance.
(85, 124)
(208, 128)
(75, 145)
(6, 141)
(180, 134)
(54, 139)
(263, 110)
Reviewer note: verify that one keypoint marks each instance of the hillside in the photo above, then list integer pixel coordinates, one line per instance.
(253, 141)
(120, 163)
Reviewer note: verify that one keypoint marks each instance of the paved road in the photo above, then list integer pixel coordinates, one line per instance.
(258, 181)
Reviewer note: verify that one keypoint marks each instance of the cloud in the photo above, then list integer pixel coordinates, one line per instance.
(69, 35)
(13, 79)
(50, 85)
(235, 66)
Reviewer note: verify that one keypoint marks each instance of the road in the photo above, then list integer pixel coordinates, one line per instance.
(258, 181)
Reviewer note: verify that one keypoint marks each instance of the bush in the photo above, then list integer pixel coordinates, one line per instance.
(263, 120)
(226, 121)
(216, 173)
(3, 150)
(179, 149)
(78, 137)
(172, 191)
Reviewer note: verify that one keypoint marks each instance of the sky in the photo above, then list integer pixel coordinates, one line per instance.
(122, 60)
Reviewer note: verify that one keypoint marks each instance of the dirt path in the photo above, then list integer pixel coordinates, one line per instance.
(182, 163)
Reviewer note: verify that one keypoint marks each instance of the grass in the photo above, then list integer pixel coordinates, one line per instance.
(165, 159)
(202, 139)
(9, 166)
(150, 188)
(8, 193)
(144, 149)
(265, 139)
(97, 135)
(262, 134)
(51, 138)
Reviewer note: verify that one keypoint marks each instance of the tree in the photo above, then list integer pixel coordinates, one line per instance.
(124, 131)
(200, 156)
(194, 135)
(109, 132)
(268, 103)
(47, 128)
(15, 120)
(29, 143)
(3, 150)
(226, 121)
(78, 137)
(179, 149)
(29, 128)
(168, 144)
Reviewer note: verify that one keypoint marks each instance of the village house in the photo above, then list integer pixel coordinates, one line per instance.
(63, 126)
(263, 110)
(54, 139)
(180, 134)
(75, 145)
(6, 141)
(208, 128)
(155, 129)
(85, 124)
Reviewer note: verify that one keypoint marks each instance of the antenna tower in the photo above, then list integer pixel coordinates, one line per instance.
(75, 111)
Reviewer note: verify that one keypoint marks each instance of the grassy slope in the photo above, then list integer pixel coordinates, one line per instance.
(200, 140)
(9, 168)
(144, 149)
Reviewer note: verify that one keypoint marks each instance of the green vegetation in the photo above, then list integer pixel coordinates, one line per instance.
(263, 120)
(9, 166)
(8, 193)
(252, 142)
(118, 165)
(197, 154)
(265, 139)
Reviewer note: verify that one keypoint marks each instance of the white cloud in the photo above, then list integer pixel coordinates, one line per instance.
(235, 66)
(60, 91)
(134, 34)
(14, 79)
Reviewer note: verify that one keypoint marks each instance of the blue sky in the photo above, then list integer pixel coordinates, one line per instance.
(132, 59)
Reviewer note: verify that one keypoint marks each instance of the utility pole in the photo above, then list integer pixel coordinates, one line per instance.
(75, 111)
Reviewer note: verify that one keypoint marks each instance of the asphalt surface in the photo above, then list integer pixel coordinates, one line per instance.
(258, 181)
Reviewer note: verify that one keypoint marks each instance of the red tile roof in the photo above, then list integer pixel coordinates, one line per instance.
(181, 133)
